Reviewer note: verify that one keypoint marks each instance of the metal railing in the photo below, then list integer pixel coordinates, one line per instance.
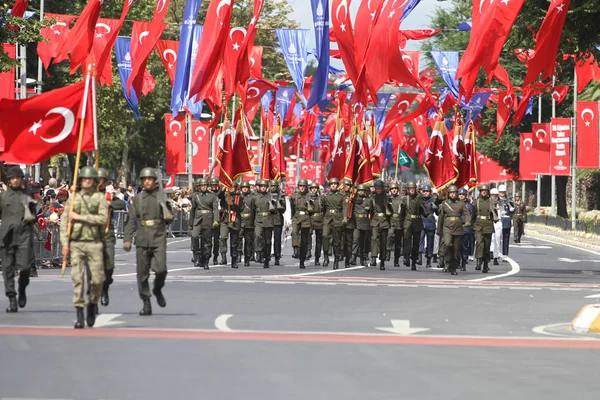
(565, 224)
(177, 228)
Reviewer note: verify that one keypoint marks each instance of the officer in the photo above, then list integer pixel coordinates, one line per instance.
(350, 224)
(147, 215)
(358, 205)
(333, 227)
(302, 208)
(109, 239)
(278, 198)
(232, 205)
(484, 215)
(204, 219)
(450, 226)
(507, 208)
(265, 211)
(468, 240)
(85, 245)
(247, 217)
(316, 221)
(412, 210)
(429, 226)
(519, 218)
(17, 211)
(380, 207)
(396, 222)
(497, 237)
(195, 254)
(215, 188)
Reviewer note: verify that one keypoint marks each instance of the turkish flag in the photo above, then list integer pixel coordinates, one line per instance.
(81, 38)
(256, 56)
(547, 41)
(403, 102)
(540, 151)
(418, 34)
(471, 157)
(200, 147)
(175, 131)
(56, 35)
(325, 151)
(147, 40)
(586, 70)
(273, 164)
(338, 165)
(232, 154)
(366, 18)
(342, 27)
(105, 30)
(560, 146)
(233, 58)
(587, 134)
(491, 171)
(243, 70)
(460, 155)
(526, 162)
(167, 50)
(362, 160)
(522, 107)
(139, 34)
(439, 164)
(45, 125)
(506, 101)
(559, 93)
(420, 127)
(7, 79)
(19, 8)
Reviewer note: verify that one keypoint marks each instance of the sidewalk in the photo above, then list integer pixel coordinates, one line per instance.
(577, 239)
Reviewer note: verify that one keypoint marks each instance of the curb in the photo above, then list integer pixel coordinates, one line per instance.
(573, 233)
(588, 319)
(572, 242)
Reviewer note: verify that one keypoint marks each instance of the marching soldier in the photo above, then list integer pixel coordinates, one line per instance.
(333, 227)
(485, 216)
(204, 218)
(302, 209)
(519, 218)
(357, 205)
(85, 245)
(215, 188)
(279, 198)
(507, 208)
(379, 205)
(316, 221)
(349, 223)
(396, 223)
(114, 204)
(468, 240)
(412, 210)
(231, 204)
(265, 211)
(497, 236)
(17, 211)
(247, 219)
(429, 226)
(450, 226)
(147, 215)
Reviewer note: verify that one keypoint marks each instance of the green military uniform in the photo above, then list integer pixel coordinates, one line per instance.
(204, 218)
(333, 225)
(231, 225)
(519, 218)
(316, 222)
(412, 210)
(349, 224)
(450, 227)
(216, 190)
(247, 221)
(17, 212)
(484, 215)
(86, 244)
(360, 213)
(302, 207)
(379, 205)
(265, 210)
(397, 225)
(278, 198)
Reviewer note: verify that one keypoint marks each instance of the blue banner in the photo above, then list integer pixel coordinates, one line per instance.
(190, 104)
(294, 47)
(384, 99)
(409, 8)
(388, 151)
(529, 110)
(123, 57)
(266, 100)
(447, 63)
(464, 27)
(478, 101)
(318, 129)
(318, 91)
(283, 98)
(184, 55)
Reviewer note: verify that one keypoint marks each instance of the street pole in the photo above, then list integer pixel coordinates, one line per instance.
(40, 76)
(574, 156)
(189, 153)
(297, 163)
(553, 188)
(538, 210)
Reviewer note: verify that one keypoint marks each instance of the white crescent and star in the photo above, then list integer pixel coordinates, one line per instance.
(344, 4)
(67, 127)
(143, 35)
(202, 129)
(402, 109)
(537, 135)
(409, 58)
(528, 146)
(438, 134)
(173, 131)
(102, 25)
(57, 24)
(253, 90)
(162, 3)
(584, 113)
(173, 53)
(222, 4)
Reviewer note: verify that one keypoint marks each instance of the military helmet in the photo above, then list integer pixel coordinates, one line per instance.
(484, 187)
(274, 183)
(314, 185)
(452, 188)
(15, 171)
(394, 185)
(334, 180)
(426, 188)
(148, 173)
(262, 182)
(462, 191)
(347, 182)
(302, 182)
(517, 195)
(88, 172)
(378, 184)
(245, 184)
(197, 181)
(411, 185)
(214, 181)
(102, 173)
(201, 182)
(362, 187)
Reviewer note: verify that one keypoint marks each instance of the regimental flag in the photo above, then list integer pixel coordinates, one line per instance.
(460, 155)
(364, 173)
(402, 159)
(232, 153)
(273, 164)
(471, 156)
(338, 166)
(440, 161)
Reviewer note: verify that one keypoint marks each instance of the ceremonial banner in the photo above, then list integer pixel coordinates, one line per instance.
(175, 131)
(540, 150)
(587, 134)
(318, 91)
(560, 149)
(294, 46)
(7, 79)
(200, 147)
(124, 66)
(447, 64)
(526, 162)
(380, 109)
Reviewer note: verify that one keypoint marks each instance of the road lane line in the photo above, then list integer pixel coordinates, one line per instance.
(330, 271)
(221, 323)
(568, 245)
(170, 270)
(515, 269)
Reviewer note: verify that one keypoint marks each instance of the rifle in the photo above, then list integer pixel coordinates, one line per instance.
(167, 215)
(350, 205)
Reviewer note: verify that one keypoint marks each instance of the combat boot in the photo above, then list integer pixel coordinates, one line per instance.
(266, 263)
(347, 262)
(91, 315)
(296, 253)
(22, 296)
(160, 299)
(420, 259)
(406, 262)
(382, 265)
(428, 264)
(317, 263)
(435, 258)
(326, 260)
(223, 259)
(396, 262)
(277, 262)
(486, 268)
(79, 324)
(463, 265)
(352, 260)
(413, 266)
(247, 261)
(104, 298)
(373, 261)
(12, 305)
(308, 255)
(442, 265)
(147, 308)
(496, 261)
(336, 263)
(478, 265)
(453, 267)
(259, 258)
(302, 265)
(234, 263)
(33, 271)
(215, 260)
(388, 255)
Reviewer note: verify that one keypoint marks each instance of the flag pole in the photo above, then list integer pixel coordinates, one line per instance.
(77, 159)
(397, 153)
(94, 116)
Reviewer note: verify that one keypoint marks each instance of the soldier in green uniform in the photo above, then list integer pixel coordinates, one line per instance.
(114, 204)
(302, 207)
(264, 210)
(484, 215)
(396, 223)
(247, 219)
(17, 211)
(450, 227)
(349, 222)
(85, 245)
(379, 205)
(148, 214)
(279, 198)
(412, 210)
(360, 213)
(232, 204)
(333, 226)
(215, 188)
(316, 221)
(204, 219)
(519, 218)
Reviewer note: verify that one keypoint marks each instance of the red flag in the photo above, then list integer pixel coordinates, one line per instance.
(175, 131)
(232, 153)
(439, 164)
(522, 107)
(560, 146)
(214, 38)
(364, 172)
(471, 157)
(586, 70)
(256, 91)
(167, 49)
(419, 34)
(138, 34)
(147, 40)
(402, 104)
(375, 151)
(45, 125)
(80, 40)
(325, 152)
(547, 41)
(420, 128)
(19, 8)
(559, 93)
(105, 30)
(56, 35)
(540, 152)
(7, 79)
(524, 55)
(338, 166)
(366, 18)
(587, 134)
(526, 162)
(272, 162)
(342, 27)
(459, 149)
(506, 102)
(491, 171)
(243, 69)
(256, 56)
(200, 147)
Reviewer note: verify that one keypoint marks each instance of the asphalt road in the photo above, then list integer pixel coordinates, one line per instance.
(282, 332)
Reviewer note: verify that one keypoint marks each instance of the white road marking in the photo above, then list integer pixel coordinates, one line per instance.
(593, 296)
(329, 271)
(542, 329)
(515, 269)
(572, 261)
(402, 327)
(531, 247)
(170, 270)
(104, 320)
(221, 322)
(321, 283)
(569, 245)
